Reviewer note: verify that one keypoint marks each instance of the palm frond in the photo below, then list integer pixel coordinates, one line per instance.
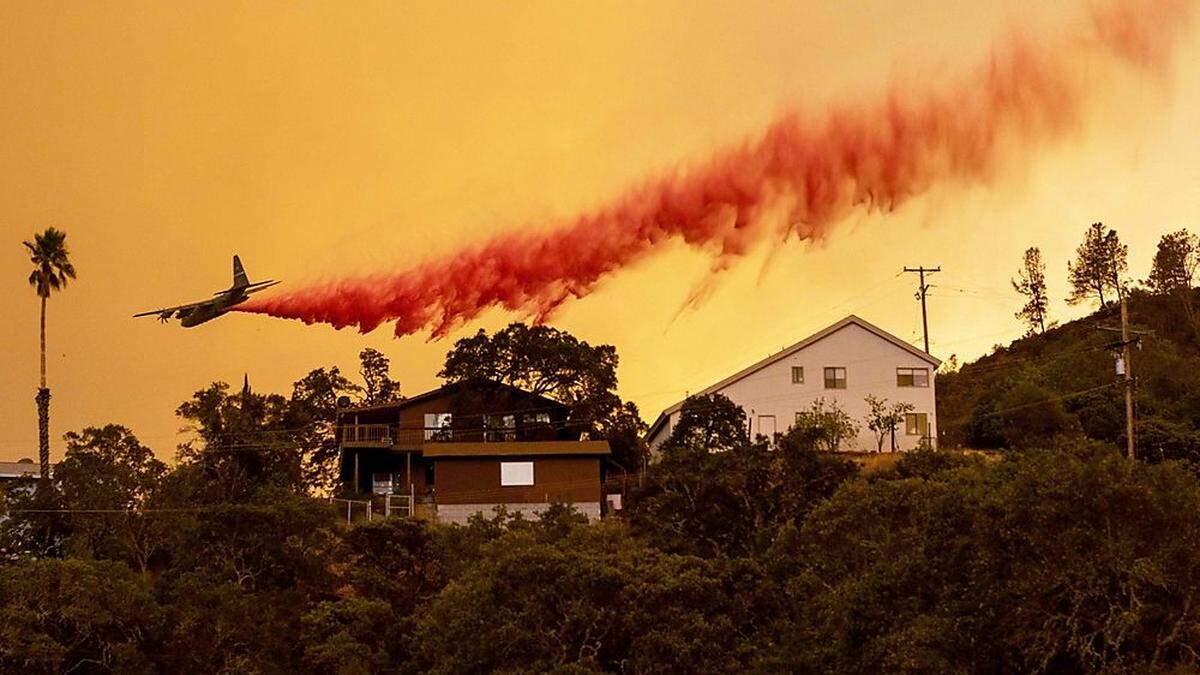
(51, 259)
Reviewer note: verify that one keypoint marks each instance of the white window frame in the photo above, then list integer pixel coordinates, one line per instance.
(515, 474)
(797, 370)
(912, 375)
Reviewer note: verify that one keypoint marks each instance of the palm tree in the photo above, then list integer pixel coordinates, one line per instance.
(51, 269)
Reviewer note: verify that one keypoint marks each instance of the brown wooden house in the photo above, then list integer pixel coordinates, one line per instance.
(467, 448)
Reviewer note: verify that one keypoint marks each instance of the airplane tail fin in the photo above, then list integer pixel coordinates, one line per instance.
(239, 274)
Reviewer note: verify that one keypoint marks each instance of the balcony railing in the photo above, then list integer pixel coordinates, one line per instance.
(367, 434)
(388, 435)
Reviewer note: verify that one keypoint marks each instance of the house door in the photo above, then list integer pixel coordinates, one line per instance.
(766, 425)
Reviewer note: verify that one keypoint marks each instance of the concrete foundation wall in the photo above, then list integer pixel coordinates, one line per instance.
(460, 513)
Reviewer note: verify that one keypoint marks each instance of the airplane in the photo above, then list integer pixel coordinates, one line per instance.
(196, 313)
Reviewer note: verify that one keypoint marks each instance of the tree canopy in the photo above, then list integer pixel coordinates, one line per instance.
(379, 387)
(52, 267)
(742, 556)
(1099, 265)
(1173, 273)
(553, 363)
(1031, 283)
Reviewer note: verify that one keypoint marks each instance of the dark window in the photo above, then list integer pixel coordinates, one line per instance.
(835, 378)
(912, 377)
(500, 428)
(381, 482)
(916, 424)
(797, 374)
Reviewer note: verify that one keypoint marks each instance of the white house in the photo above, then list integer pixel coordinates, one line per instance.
(842, 363)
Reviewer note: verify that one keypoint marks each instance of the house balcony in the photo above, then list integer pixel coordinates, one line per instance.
(366, 435)
(401, 437)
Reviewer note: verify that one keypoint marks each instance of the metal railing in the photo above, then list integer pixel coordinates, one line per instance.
(398, 505)
(393, 435)
(354, 509)
(367, 433)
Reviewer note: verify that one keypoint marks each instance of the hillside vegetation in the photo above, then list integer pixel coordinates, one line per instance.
(1063, 383)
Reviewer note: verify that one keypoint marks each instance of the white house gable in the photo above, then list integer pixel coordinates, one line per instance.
(844, 364)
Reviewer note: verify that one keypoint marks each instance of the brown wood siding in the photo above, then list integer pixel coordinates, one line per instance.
(470, 480)
(412, 419)
(372, 460)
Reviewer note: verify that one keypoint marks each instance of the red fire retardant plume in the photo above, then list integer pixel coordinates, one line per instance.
(806, 172)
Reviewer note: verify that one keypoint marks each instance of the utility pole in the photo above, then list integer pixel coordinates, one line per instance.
(921, 291)
(1125, 369)
(1126, 356)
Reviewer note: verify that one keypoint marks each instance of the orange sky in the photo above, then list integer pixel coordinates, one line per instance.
(338, 137)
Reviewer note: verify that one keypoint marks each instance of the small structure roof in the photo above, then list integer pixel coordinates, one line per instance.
(19, 469)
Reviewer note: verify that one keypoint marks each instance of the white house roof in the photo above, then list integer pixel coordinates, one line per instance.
(788, 351)
(18, 469)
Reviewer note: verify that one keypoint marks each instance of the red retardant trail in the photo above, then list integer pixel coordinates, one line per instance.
(805, 172)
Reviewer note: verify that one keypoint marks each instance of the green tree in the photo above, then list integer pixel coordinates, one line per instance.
(1031, 416)
(376, 373)
(352, 636)
(709, 423)
(241, 578)
(51, 269)
(311, 418)
(106, 478)
(1099, 265)
(591, 599)
(69, 616)
(882, 419)
(1068, 561)
(825, 426)
(731, 500)
(391, 567)
(1174, 273)
(1031, 283)
(243, 442)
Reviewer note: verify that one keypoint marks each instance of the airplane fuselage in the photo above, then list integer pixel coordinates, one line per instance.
(217, 307)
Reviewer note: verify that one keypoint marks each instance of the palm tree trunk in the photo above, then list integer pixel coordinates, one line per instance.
(43, 406)
(43, 342)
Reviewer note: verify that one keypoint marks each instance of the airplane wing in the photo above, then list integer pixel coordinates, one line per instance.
(256, 287)
(168, 312)
(250, 288)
